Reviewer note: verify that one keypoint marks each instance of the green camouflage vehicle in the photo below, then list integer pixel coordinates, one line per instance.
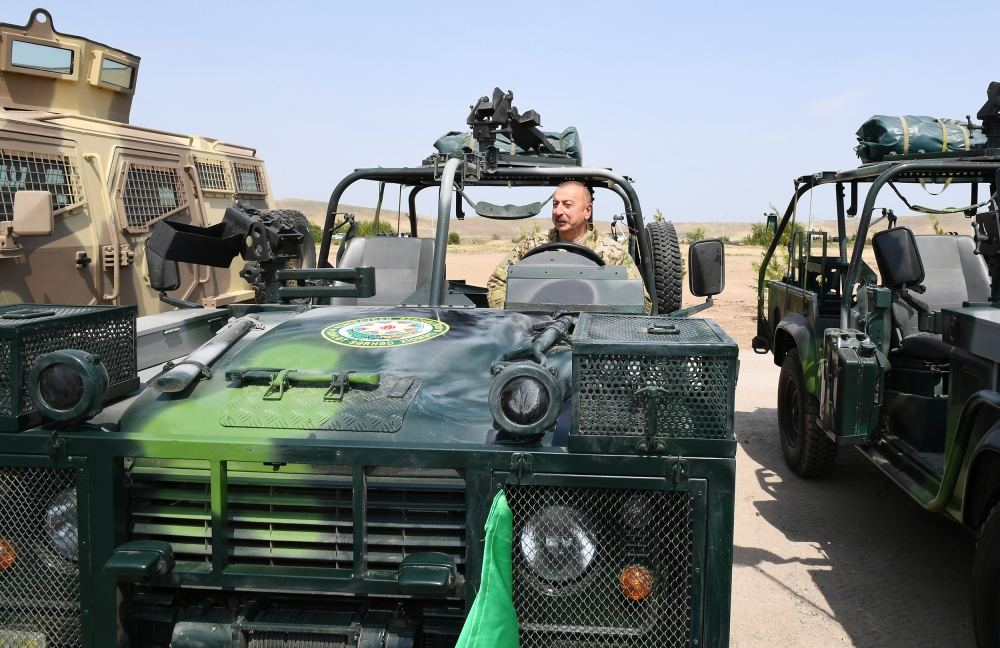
(318, 470)
(80, 186)
(900, 363)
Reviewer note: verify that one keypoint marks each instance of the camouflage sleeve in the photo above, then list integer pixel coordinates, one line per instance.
(614, 253)
(496, 286)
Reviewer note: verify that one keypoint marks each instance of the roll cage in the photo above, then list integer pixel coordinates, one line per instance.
(451, 174)
(957, 170)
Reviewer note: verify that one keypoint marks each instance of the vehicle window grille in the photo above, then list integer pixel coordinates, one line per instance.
(214, 175)
(7, 403)
(249, 179)
(40, 591)
(150, 193)
(582, 603)
(32, 171)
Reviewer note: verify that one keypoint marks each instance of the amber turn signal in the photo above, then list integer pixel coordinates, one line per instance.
(636, 582)
(7, 555)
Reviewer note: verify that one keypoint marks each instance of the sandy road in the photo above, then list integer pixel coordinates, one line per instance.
(848, 560)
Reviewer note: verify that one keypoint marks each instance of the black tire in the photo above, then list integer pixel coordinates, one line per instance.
(807, 449)
(666, 266)
(986, 583)
(307, 253)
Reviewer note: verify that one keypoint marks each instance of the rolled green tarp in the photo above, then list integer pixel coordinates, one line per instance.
(884, 136)
(566, 142)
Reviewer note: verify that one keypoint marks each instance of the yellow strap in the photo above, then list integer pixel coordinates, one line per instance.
(906, 135)
(965, 136)
(944, 136)
(944, 187)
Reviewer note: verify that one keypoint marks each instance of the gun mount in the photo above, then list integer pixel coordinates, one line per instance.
(496, 115)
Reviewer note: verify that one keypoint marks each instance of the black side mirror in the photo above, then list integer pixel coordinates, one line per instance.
(164, 275)
(898, 259)
(707, 267)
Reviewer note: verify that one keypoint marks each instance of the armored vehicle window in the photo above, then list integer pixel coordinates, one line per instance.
(117, 74)
(33, 171)
(41, 57)
(249, 179)
(149, 194)
(214, 175)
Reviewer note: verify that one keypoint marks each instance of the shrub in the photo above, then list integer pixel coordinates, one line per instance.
(317, 233)
(759, 235)
(494, 236)
(696, 234)
(454, 238)
(367, 228)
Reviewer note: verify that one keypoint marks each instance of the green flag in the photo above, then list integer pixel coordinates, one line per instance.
(492, 622)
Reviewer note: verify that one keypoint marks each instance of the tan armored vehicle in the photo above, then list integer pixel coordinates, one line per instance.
(80, 186)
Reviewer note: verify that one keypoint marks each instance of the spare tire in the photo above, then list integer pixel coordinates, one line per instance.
(307, 252)
(666, 266)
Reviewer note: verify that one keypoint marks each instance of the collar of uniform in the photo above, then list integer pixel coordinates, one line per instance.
(590, 236)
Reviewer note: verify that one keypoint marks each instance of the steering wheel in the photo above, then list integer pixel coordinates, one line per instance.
(574, 248)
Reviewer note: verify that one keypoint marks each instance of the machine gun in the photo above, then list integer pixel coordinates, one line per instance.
(990, 116)
(496, 115)
(267, 242)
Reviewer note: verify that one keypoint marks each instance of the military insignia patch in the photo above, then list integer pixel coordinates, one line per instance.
(378, 332)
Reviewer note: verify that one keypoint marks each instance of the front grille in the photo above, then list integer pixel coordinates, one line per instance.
(314, 629)
(562, 601)
(300, 520)
(39, 588)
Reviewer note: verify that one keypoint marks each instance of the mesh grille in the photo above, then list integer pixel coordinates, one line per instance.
(308, 522)
(57, 174)
(249, 179)
(333, 629)
(40, 593)
(697, 404)
(565, 602)
(149, 193)
(213, 175)
(623, 328)
(6, 384)
(107, 334)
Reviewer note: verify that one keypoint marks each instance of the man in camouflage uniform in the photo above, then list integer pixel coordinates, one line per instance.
(572, 210)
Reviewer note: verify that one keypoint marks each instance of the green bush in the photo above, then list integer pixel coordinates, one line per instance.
(779, 261)
(494, 236)
(454, 238)
(317, 232)
(696, 234)
(367, 228)
(759, 235)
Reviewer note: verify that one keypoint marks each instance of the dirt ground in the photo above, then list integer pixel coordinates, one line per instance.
(847, 560)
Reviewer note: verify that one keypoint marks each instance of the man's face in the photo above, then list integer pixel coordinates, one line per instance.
(571, 209)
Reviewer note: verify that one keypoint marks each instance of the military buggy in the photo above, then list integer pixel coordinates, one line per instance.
(318, 470)
(900, 360)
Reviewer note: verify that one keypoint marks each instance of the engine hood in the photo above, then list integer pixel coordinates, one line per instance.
(433, 369)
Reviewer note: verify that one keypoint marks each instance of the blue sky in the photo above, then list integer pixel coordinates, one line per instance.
(713, 108)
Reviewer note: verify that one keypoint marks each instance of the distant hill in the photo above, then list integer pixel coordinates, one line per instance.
(475, 227)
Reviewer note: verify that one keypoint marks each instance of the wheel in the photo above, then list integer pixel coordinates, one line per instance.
(807, 449)
(307, 253)
(986, 583)
(666, 266)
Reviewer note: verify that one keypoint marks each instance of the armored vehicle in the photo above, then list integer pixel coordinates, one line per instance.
(80, 186)
(900, 360)
(320, 473)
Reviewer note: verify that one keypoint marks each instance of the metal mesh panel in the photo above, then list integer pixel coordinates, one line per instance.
(40, 591)
(249, 179)
(333, 629)
(107, 334)
(6, 383)
(29, 171)
(566, 601)
(696, 406)
(624, 328)
(149, 193)
(214, 175)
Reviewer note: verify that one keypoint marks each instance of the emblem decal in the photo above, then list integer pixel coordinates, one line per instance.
(379, 332)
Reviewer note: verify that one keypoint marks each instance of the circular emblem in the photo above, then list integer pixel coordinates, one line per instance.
(384, 331)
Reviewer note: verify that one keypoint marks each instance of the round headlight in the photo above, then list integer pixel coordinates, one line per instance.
(525, 399)
(558, 544)
(68, 384)
(61, 528)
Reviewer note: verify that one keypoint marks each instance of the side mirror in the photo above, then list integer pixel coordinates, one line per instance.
(898, 259)
(32, 213)
(164, 275)
(707, 267)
